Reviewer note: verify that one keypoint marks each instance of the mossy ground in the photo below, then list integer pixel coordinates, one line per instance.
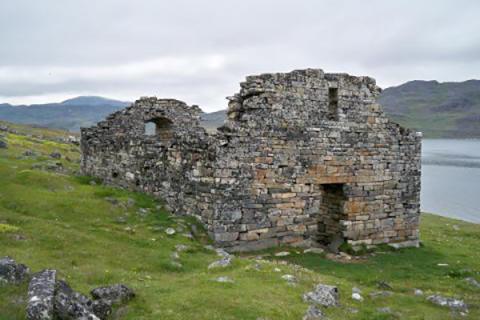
(59, 220)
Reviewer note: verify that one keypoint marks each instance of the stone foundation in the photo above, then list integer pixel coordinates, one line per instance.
(304, 158)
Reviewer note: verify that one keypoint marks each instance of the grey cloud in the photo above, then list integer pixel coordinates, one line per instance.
(55, 47)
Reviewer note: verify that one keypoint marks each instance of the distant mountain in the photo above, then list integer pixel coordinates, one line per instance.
(439, 110)
(69, 115)
(213, 120)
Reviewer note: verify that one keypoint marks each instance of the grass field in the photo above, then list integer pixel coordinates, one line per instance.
(96, 235)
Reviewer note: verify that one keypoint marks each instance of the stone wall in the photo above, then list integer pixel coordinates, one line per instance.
(304, 158)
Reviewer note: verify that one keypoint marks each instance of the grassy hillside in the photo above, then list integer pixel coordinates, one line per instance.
(439, 110)
(68, 115)
(97, 235)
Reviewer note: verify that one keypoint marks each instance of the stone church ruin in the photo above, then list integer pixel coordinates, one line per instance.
(304, 158)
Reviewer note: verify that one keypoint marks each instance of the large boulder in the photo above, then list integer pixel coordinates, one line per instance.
(71, 305)
(12, 272)
(41, 293)
(117, 293)
(324, 295)
(3, 144)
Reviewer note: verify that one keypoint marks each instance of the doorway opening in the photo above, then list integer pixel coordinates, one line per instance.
(330, 231)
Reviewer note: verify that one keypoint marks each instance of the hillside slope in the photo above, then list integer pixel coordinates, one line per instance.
(97, 235)
(69, 115)
(439, 110)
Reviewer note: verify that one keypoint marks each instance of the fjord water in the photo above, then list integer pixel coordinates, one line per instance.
(451, 178)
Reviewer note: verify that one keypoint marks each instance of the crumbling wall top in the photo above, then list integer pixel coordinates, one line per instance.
(299, 99)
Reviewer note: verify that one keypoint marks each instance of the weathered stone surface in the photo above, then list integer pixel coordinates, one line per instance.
(102, 308)
(71, 305)
(170, 231)
(313, 313)
(384, 310)
(224, 279)
(324, 295)
(3, 144)
(222, 263)
(117, 293)
(451, 303)
(12, 272)
(56, 155)
(357, 296)
(474, 282)
(41, 292)
(291, 279)
(303, 157)
(418, 292)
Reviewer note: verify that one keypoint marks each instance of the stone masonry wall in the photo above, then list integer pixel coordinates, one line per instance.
(304, 158)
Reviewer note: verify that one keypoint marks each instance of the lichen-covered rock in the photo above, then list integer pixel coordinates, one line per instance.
(454, 304)
(71, 305)
(313, 313)
(117, 293)
(303, 157)
(41, 293)
(12, 272)
(222, 263)
(224, 279)
(102, 308)
(324, 295)
(3, 144)
(474, 282)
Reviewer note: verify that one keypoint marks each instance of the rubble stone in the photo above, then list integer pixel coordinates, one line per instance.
(117, 293)
(454, 304)
(41, 292)
(313, 313)
(71, 305)
(12, 272)
(324, 295)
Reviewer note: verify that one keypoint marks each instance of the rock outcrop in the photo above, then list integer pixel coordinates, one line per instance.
(12, 272)
(50, 298)
(323, 295)
(41, 294)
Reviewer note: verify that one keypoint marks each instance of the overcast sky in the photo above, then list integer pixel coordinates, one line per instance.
(198, 51)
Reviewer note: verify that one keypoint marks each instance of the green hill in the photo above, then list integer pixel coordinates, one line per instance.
(439, 110)
(68, 115)
(97, 235)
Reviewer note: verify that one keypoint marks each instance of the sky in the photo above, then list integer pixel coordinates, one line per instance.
(199, 51)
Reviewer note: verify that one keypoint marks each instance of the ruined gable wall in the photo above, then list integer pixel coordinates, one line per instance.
(282, 149)
(285, 168)
(118, 151)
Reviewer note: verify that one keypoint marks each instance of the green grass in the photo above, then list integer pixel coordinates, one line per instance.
(59, 220)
